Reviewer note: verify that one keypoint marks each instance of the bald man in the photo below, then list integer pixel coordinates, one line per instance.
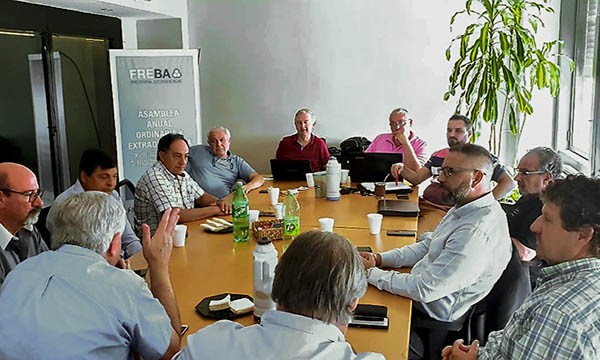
(20, 205)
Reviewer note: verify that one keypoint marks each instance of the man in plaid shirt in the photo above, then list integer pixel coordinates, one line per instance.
(561, 318)
(167, 185)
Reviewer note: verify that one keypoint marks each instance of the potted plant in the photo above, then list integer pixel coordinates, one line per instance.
(499, 63)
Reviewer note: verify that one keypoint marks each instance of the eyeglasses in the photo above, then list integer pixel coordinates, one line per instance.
(449, 171)
(524, 172)
(32, 195)
(399, 123)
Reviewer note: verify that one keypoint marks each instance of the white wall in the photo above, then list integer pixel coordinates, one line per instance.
(350, 61)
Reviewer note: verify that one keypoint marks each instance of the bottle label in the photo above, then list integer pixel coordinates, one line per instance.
(239, 210)
(291, 226)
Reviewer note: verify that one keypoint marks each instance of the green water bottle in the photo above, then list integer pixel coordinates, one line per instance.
(240, 214)
(291, 216)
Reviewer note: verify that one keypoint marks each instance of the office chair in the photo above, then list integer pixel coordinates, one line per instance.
(41, 225)
(127, 191)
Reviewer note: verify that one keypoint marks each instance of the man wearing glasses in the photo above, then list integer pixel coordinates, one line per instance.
(167, 185)
(401, 140)
(216, 169)
(20, 206)
(537, 169)
(456, 265)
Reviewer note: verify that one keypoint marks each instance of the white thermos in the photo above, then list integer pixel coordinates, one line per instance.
(334, 174)
(265, 260)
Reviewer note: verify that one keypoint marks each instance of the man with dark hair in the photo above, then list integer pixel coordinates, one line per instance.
(304, 145)
(536, 170)
(216, 169)
(76, 303)
(167, 185)
(402, 140)
(561, 318)
(455, 266)
(432, 204)
(20, 206)
(315, 297)
(98, 172)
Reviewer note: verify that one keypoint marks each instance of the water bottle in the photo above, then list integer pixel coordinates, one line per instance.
(240, 214)
(334, 174)
(265, 260)
(291, 216)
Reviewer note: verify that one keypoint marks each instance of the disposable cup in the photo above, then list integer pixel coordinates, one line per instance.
(310, 180)
(344, 176)
(254, 215)
(278, 210)
(274, 195)
(180, 235)
(374, 223)
(326, 224)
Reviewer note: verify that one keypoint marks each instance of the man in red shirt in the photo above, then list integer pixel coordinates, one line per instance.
(304, 145)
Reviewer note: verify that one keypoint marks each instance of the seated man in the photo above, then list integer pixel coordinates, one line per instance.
(167, 185)
(98, 172)
(561, 318)
(401, 140)
(304, 145)
(536, 170)
(433, 206)
(74, 303)
(455, 266)
(315, 298)
(20, 206)
(217, 170)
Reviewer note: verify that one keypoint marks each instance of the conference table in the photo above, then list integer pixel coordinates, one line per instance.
(211, 264)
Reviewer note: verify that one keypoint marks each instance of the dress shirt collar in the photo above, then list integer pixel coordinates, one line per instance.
(5, 237)
(551, 272)
(328, 332)
(475, 205)
(77, 187)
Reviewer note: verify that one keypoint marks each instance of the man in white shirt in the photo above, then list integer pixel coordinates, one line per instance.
(457, 264)
(315, 297)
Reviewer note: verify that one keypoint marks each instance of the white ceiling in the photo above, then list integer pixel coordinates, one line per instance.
(99, 8)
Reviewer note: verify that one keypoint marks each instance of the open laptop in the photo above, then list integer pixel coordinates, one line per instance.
(290, 169)
(371, 167)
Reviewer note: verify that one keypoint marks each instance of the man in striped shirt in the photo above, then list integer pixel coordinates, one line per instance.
(561, 318)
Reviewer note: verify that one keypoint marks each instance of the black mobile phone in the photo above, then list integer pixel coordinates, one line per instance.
(184, 328)
(401, 233)
(369, 321)
(402, 196)
(264, 191)
(364, 249)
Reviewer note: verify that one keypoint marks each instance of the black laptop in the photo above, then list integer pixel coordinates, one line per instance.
(398, 208)
(290, 169)
(372, 167)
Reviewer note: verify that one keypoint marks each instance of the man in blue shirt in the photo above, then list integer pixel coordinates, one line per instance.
(98, 172)
(216, 169)
(561, 318)
(74, 303)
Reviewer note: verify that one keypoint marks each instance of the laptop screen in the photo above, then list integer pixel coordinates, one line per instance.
(371, 167)
(290, 169)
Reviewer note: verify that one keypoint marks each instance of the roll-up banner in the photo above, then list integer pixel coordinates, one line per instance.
(155, 92)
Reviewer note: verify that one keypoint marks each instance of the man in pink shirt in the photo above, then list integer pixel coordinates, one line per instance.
(401, 140)
(304, 145)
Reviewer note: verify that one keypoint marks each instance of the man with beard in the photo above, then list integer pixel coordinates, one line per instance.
(456, 265)
(20, 205)
(433, 204)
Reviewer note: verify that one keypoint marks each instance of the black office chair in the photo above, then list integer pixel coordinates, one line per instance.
(127, 191)
(41, 225)
(507, 295)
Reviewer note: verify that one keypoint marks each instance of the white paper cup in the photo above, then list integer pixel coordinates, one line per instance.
(254, 215)
(374, 223)
(180, 233)
(344, 176)
(278, 210)
(274, 194)
(326, 224)
(310, 180)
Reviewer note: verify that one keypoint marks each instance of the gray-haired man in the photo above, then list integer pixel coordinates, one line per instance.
(75, 303)
(311, 317)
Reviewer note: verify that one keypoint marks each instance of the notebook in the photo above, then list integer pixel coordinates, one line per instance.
(290, 169)
(390, 187)
(398, 208)
(371, 167)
